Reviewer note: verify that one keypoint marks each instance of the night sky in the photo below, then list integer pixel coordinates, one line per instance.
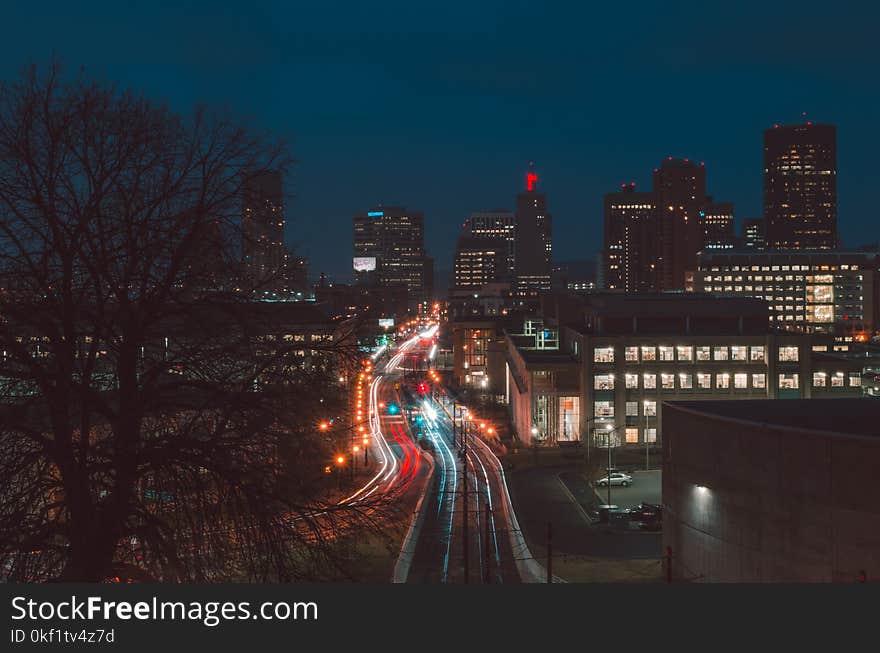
(441, 109)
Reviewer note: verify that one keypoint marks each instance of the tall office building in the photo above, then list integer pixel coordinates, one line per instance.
(680, 195)
(389, 250)
(629, 260)
(717, 220)
(478, 261)
(500, 226)
(534, 239)
(800, 186)
(263, 249)
(753, 233)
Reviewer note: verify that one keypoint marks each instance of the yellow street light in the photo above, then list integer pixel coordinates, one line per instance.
(340, 460)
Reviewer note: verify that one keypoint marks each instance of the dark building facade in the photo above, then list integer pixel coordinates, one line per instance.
(772, 491)
(263, 251)
(800, 186)
(680, 194)
(534, 239)
(389, 250)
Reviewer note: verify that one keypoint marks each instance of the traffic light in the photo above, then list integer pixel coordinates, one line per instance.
(393, 409)
(423, 388)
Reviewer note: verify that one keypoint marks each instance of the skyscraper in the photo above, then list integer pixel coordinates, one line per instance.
(717, 220)
(753, 233)
(263, 234)
(478, 261)
(680, 194)
(800, 186)
(498, 225)
(630, 255)
(534, 238)
(389, 250)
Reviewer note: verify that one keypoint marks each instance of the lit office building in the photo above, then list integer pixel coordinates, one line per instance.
(811, 291)
(389, 250)
(717, 220)
(800, 186)
(478, 261)
(753, 234)
(630, 254)
(498, 226)
(609, 370)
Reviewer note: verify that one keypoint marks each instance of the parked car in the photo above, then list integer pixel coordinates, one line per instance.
(616, 478)
(645, 512)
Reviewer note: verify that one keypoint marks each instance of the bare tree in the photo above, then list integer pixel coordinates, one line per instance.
(154, 425)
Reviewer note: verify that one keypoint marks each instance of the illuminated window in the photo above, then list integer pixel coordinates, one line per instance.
(788, 355)
(603, 382)
(685, 380)
(738, 353)
(855, 379)
(837, 380)
(603, 408)
(632, 435)
(650, 381)
(685, 353)
(759, 381)
(632, 409)
(667, 353)
(650, 408)
(651, 434)
(788, 381)
(603, 355)
(632, 381)
(667, 380)
(720, 354)
(631, 354)
(740, 380)
(722, 380)
(649, 353)
(704, 380)
(756, 354)
(703, 354)
(819, 379)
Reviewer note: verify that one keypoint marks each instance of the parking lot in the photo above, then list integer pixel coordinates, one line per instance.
(646, 487)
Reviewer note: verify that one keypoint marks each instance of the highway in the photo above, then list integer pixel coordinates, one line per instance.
(465, 537)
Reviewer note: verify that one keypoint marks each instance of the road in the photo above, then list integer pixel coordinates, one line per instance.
(465, 537)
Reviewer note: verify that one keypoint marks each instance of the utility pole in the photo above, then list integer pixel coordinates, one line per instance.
(488, 565)
(549, 552)
(464, 513)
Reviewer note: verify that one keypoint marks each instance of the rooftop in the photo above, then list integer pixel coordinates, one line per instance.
(849, 416)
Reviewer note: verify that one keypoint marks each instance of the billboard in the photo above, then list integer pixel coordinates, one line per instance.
(364, 263)
(386, 322)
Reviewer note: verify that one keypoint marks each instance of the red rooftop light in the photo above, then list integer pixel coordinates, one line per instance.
(531, 178)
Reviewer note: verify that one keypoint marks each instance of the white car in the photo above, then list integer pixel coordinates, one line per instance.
(617, 478)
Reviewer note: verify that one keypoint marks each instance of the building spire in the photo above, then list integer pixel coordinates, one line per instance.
(531, 177)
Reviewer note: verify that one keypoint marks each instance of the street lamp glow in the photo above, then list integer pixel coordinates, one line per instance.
(534, 430)
(323, 426)
(340, 460)
(355, 448)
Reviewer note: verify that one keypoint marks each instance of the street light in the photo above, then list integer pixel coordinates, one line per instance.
(647, 455)
(609, 429)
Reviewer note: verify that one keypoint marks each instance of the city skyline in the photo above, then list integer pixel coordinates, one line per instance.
(478, 131)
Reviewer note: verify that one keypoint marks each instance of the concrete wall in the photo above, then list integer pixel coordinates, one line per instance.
(778, 505)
